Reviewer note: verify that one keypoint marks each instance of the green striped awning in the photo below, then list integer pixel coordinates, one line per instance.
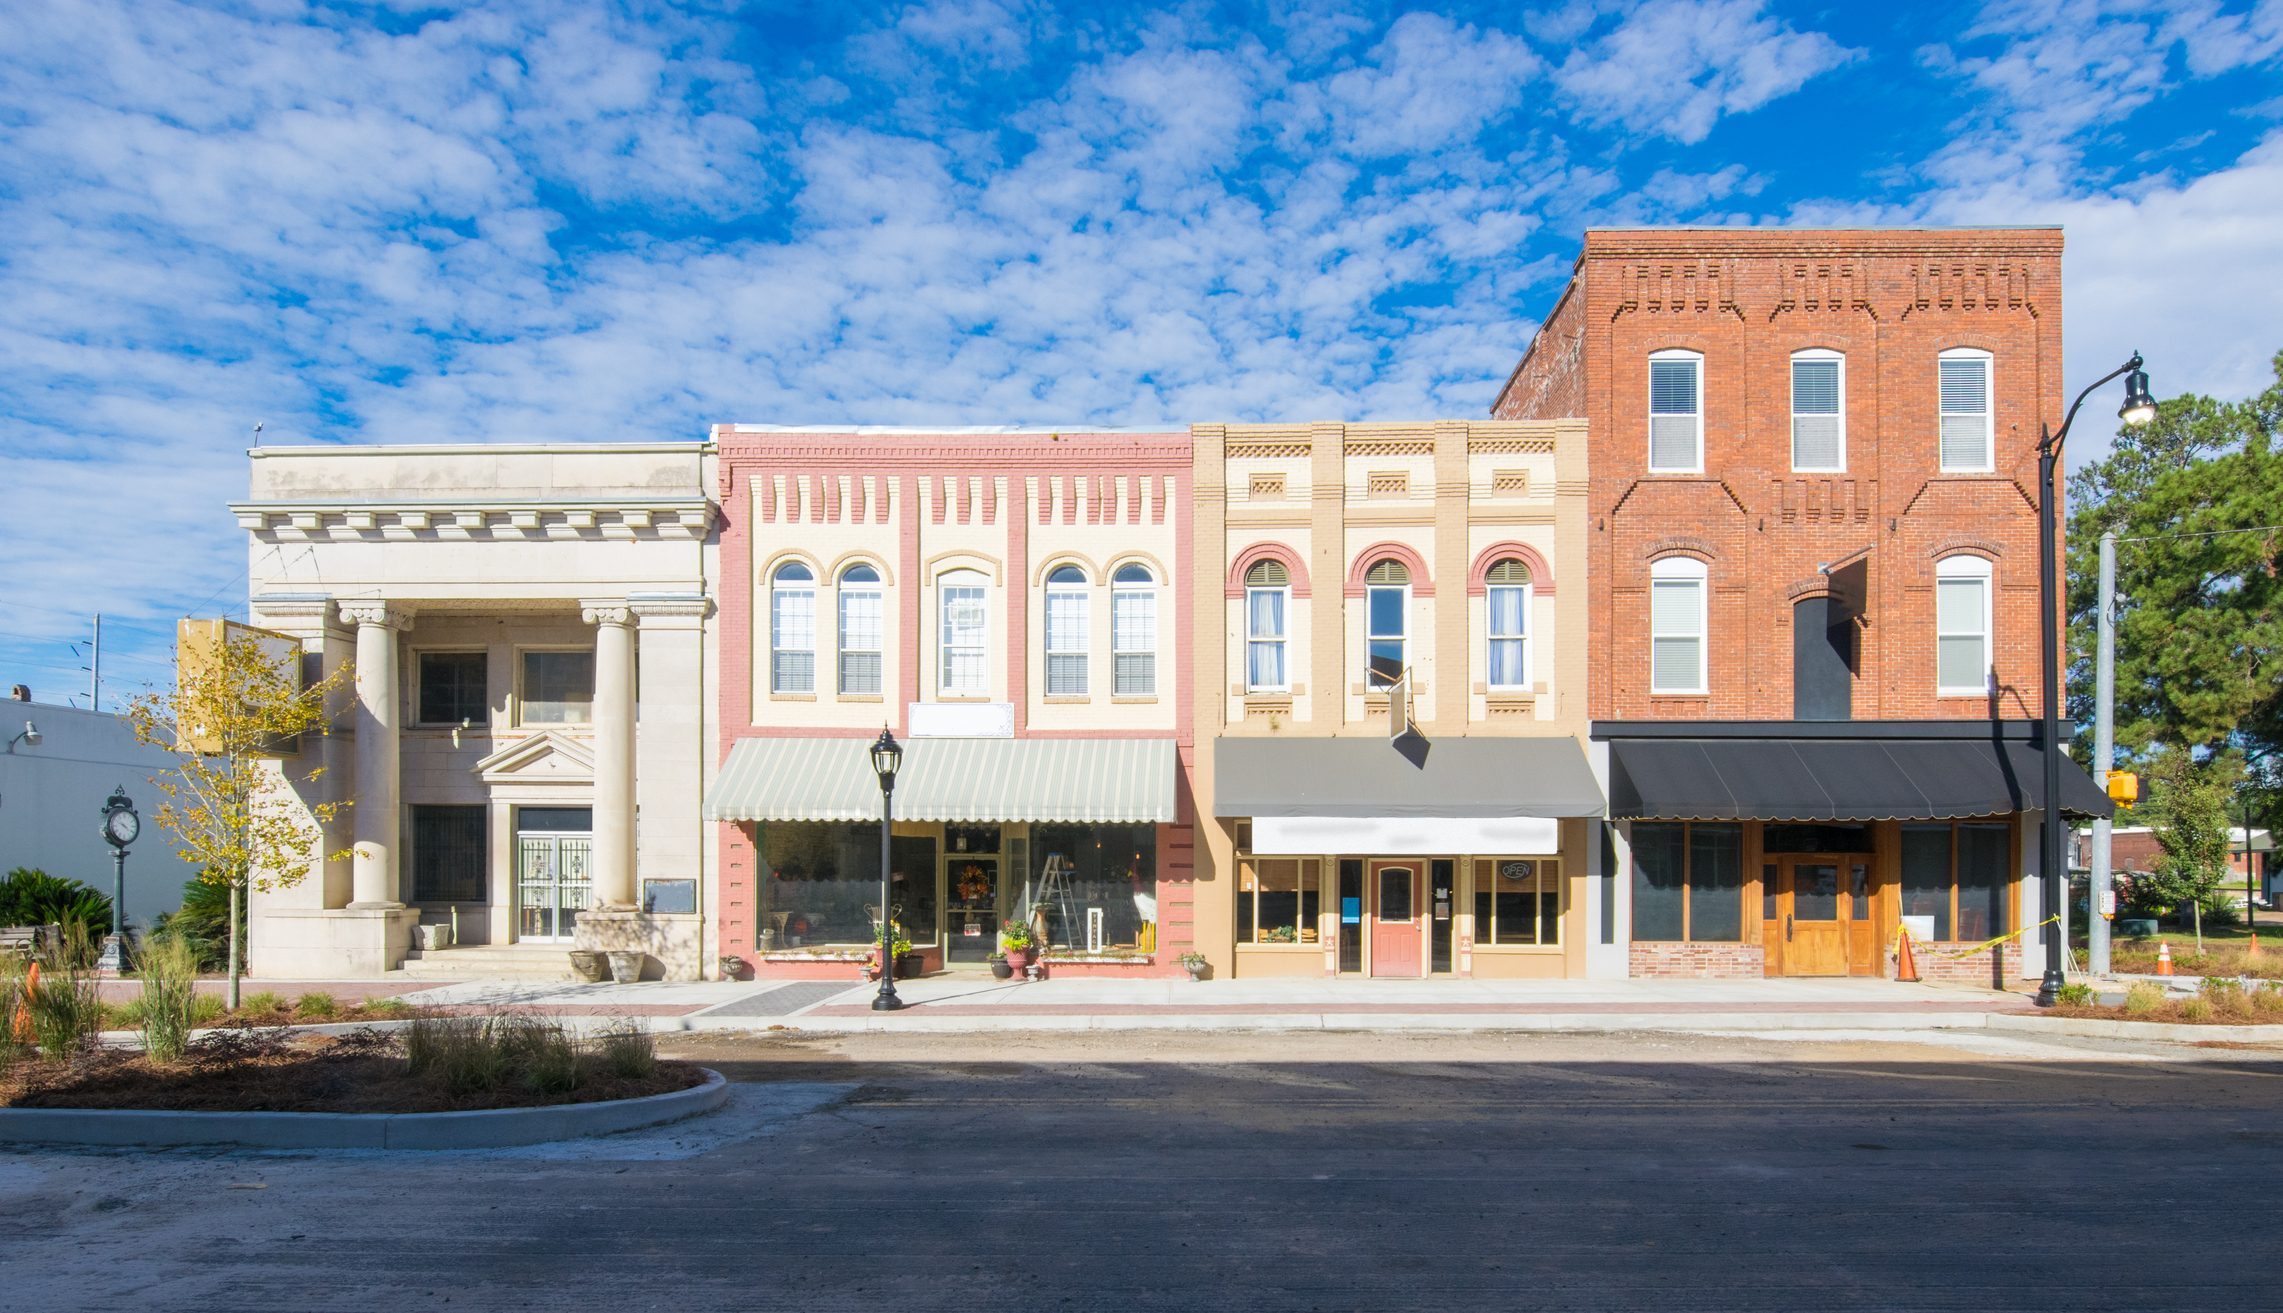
(815, 779)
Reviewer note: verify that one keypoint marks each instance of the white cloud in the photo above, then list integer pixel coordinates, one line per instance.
(1676, 66)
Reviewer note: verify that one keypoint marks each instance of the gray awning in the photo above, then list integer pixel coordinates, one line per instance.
(1827, 779)
(831, 779)
(1370, 777)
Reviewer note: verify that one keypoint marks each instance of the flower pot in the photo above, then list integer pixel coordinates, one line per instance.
(433, 937)
(625, 965)
(1198, 971)
(588, 965)
(909, 965)
(1018, 960)
(1000, 969)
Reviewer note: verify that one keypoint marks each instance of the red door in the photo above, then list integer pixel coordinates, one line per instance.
(1395, 918)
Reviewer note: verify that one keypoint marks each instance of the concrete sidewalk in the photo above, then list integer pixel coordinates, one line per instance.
(979, 1003)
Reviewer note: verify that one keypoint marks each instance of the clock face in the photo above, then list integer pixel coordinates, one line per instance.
(122, 827)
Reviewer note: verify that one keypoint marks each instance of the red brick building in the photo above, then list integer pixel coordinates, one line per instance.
(1813, 583)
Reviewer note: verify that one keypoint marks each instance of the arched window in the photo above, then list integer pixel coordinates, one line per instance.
(1387, 608)
(1133, 631)
(792, 629)
(1268, 597)
(1677, 626)
(1676, 412)
(862, 630)
(1819, 419)
(1962, 627)
(965, 670)
(1507, 604)
(1066, 632)
(1965, 410)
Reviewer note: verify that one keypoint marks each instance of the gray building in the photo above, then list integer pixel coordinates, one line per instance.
(51, 802)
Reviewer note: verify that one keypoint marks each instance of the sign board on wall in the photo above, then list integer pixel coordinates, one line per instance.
(1398, 836)
(961, 720)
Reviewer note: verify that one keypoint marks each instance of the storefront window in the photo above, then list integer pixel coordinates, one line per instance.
(820, 884)
(1081, 870)
(1955, 875)
(1518, 900)
(1688, 882)
(1278, 899)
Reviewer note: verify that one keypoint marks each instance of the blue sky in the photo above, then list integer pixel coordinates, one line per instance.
(397, 222)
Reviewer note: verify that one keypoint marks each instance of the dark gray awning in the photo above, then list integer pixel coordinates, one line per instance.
(1373, 778)
(1829, 779)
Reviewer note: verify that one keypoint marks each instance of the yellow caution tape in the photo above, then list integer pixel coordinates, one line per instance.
(1902, 932)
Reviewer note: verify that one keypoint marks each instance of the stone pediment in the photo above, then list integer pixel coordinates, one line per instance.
(552, 757)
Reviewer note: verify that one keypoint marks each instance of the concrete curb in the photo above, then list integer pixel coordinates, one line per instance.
(1546, 1022)
(2098, 1028)
(491, 1128)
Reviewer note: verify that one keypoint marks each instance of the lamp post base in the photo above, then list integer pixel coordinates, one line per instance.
(2049, 990)
(113, 961)
(886, 1001)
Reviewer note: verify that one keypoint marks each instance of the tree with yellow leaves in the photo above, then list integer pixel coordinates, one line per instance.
(238, 705)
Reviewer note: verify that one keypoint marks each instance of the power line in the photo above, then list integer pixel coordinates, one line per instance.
(2215, 533)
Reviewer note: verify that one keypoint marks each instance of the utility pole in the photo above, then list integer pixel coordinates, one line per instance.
(2104, 754)
(95, 669)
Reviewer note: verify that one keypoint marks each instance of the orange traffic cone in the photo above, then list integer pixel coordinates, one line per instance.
(23, 1017)
(2163, 957)
(1906, 966)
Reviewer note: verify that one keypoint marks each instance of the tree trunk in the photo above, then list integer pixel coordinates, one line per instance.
(236, 949)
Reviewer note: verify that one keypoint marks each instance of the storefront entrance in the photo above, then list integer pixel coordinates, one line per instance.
(554, 871)
(1395, 936)
(1816, 916)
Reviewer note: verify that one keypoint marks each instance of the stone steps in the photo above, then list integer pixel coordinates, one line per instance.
(482, 962)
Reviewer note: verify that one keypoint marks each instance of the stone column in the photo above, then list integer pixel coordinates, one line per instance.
(373, 819)
(614, 752)
(673, 753)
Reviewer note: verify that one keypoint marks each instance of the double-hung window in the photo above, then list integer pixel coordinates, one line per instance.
(1677, 626)
(1387, 606)
(1507, 604)
(452, 688)
(861, 630)
(1066, 632)
(792, 629)
(1819, 422)
(1268, 593)
(1965, 402)
(965, 670)
(1962, 627)
(1133, 631)
(1676, 412)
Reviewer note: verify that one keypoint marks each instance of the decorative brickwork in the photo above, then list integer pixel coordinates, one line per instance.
(1697, 961)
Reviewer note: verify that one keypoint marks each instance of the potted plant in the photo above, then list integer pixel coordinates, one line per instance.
(1195, 964)
(999, 967)
(1017, 942)
(899, 951)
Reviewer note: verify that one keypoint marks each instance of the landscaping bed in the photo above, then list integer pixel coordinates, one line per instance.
(433, 1065)
(2138, 957)
(2219, 1001)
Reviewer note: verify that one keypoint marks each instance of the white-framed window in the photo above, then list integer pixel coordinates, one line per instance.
(1677, 626)
(1966, 410)
(1133, 631)
(1066, 632)
(965, 670)
(1676, 412)
(792, 629)
(1962, 627)
(1819, 412)
(862, 630)
(1506, 604)
(1268, 598)
(1387, 618)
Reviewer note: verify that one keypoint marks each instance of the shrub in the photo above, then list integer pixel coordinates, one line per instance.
(64, 1010)
(2076, 996)
(11, 995)
(2267, 1000)
(628, 1052)
(2198, 1008)
(2224, 993)
(317, 1007)
(203, 921)
(266, 1000)
(463, 1054)
(207, 1008)
(33, 897)
(543, 1052)
(2144, 997)
(170, 996)
(385, 1007)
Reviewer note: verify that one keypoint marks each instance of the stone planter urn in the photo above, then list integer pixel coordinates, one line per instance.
(625, 965)
(588, 965)
(1018, 961)
(1001, 970)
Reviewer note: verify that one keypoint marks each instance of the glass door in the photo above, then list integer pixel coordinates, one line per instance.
(554, 874)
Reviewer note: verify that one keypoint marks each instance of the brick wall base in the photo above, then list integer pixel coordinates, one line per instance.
(1995, 967)
(1696, 961)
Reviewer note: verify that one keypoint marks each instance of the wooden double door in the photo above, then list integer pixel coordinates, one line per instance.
(1817, 916)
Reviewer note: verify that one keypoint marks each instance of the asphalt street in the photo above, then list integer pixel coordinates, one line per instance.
(1145, 1172)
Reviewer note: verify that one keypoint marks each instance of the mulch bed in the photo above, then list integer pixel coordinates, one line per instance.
(250, 1071)
(2170, 1013)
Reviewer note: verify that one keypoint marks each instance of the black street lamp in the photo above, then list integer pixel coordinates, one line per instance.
(121, 826)
(2138, 408)
(887, 758)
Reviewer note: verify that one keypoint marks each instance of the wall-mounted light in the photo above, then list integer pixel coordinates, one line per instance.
(29, 736)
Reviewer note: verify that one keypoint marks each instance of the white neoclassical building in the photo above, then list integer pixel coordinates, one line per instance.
(532, 728)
